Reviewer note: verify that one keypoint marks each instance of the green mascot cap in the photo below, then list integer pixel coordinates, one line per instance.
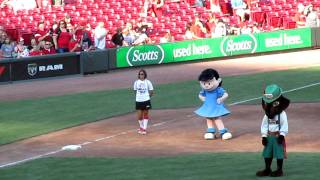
(272, 93)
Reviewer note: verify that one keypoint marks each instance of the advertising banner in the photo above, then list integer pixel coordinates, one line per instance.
(214, 47)
(197, 49)
(286, 39)
(45, 66)
(143, 55)
(236, 45)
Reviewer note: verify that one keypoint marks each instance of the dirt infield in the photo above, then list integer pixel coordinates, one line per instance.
(171, 131)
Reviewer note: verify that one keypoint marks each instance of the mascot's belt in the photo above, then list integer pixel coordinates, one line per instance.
(277, 133)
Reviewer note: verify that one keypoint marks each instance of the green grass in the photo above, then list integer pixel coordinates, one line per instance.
(222, 166)
(27, 118)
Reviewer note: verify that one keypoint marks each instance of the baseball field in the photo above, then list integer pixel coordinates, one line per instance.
(96, 111)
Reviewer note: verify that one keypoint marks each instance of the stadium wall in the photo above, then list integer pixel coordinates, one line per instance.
(124, 57)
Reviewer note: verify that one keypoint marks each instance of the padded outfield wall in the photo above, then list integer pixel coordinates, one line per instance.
(195, 50)
(214, 47)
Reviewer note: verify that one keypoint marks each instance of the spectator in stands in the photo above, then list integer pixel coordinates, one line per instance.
(198, 28)
(42, 34)
(211, 23)
(199, 3)
(7, 48)
(246, 29)
(20, 50)
(128, 35)
(255, 28)
(48, 49)
(34, 48)
(58, 2)
(299, 17)
(189, 35)
(166, 38)
(118, 38)
(240, 8)
(100, 34)
(44, 3)
(3, 36)
(71, 1)
(63, 37)
(70, 28)
(33, 43)
(220, 30)
(157, 7)
(233, 29)
(86, 42)
(152, 8)
(312, 18)
(74, 45)
(145, 8)
(1, 29)
(79, 30)
(88, 28)
(68, 20)
(142, 37)
(19, 4)
(214, 6)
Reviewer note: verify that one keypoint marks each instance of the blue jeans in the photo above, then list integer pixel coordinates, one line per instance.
(62, 50)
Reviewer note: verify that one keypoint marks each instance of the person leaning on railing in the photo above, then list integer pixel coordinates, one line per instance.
(7, 48)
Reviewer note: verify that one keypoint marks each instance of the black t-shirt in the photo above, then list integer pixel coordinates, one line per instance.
(117, 39)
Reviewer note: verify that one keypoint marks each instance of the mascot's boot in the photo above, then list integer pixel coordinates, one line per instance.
(210, 134)
(267, 170)
(225, 134)
(279, 171)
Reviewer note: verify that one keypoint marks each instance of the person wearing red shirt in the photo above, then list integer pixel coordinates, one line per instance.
(74, 46)
(63, 38)
(80, 29)
(48, 49)
(42, 34)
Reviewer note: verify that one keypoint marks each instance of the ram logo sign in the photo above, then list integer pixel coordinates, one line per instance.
(32, 69)
(234, 45)
(142, 55)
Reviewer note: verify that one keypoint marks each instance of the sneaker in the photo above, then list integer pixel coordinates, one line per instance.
(263, 173)
(276, 173)
(142, 131)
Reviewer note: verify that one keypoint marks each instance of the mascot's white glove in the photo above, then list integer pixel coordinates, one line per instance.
(219, 100)
(202, 98)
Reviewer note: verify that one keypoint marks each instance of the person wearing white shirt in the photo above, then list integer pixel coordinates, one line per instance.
(100, 34)
(144, 90)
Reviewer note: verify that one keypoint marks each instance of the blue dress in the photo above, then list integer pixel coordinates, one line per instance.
(210, 107)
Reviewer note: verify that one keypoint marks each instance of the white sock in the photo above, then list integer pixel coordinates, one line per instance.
(141, 123)
(145, 123)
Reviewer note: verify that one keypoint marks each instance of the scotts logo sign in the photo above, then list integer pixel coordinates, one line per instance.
(238, 45)
(141, 55)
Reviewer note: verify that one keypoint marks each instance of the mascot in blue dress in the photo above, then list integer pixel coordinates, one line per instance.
(213, 96)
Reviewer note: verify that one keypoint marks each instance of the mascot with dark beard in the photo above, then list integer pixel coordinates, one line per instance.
(274, 128)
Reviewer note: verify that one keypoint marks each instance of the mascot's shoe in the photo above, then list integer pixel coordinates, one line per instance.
(276, 173)
(209, 136)
(265, 172)
(225, 134)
